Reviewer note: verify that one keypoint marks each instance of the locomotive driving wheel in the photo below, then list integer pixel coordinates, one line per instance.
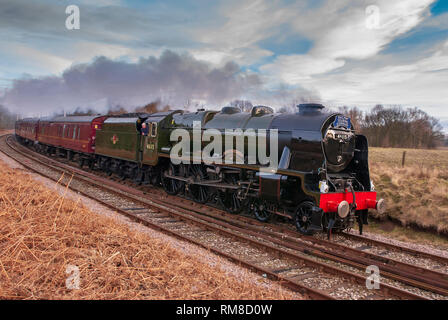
(198, 193)
(228, 198)
(170, 185)
(260, 210)
(302, 218)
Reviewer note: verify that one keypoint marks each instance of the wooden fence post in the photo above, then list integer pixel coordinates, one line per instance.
(403, 159)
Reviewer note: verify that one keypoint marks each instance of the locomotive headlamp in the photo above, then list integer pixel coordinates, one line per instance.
(343, 209)
(323, 186)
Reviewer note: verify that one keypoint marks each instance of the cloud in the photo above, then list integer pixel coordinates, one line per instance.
(350, 38)
(173, 78)
(108, 28)
(245, 23)
(418, 83)
(295, 69)
(46, 61)
(345, 36)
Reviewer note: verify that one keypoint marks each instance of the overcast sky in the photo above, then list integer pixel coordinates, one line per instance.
(212, 52)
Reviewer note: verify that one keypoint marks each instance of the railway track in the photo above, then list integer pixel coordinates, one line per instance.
(397, 248)
(299, 263)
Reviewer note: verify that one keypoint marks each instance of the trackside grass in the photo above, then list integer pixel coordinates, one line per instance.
(416, 194)
(44, 236)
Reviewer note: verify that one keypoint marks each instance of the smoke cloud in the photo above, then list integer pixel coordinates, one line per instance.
(178, 80)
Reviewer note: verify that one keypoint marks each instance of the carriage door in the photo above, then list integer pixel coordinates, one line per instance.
(150, 144)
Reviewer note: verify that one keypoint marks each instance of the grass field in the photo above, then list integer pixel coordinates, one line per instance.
(44, 235)
(417, 194)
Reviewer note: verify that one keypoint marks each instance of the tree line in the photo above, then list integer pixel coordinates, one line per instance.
(395, 126)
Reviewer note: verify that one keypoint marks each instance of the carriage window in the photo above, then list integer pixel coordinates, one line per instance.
(153, 129)
(79, 131)
(74, 132)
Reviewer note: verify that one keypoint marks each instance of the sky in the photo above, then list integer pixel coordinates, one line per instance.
(200, 52)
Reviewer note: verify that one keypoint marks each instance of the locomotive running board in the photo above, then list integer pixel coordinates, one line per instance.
(212, 183)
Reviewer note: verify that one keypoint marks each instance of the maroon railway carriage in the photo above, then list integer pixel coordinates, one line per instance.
(27, 129)
(73, 134)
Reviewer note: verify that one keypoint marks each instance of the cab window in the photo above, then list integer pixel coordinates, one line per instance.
(153, 129)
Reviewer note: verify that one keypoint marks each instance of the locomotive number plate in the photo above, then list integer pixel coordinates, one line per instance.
(150, 146)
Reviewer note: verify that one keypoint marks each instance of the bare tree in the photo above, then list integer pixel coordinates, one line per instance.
(397, 127)
(244, 105)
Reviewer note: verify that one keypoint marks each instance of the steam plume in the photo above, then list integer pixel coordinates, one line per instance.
(174, 79)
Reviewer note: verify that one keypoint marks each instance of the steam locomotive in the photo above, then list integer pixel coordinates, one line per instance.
(322, 181)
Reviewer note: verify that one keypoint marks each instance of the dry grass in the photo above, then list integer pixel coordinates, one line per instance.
(406, 234)
(41, 233)
(418, 192)
(420, 157)
(6, 131)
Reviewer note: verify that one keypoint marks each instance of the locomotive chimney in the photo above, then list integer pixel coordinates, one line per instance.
(305, 108)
